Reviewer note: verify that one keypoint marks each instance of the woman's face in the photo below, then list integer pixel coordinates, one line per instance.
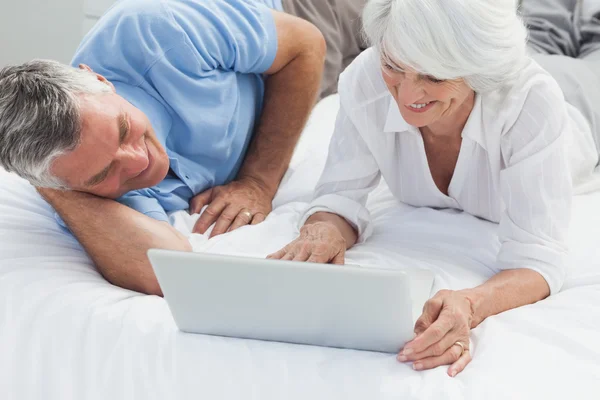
(424, 100)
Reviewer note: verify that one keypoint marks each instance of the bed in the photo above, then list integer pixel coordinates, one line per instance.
(65, 333)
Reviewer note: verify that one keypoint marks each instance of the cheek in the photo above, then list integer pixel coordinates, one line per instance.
(390, 81)
(439, 93)
(110, 189)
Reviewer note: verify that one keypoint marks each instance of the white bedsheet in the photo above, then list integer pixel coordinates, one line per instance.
(65, 333)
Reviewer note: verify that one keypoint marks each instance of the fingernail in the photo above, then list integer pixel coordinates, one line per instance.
(417, 366)
(407, 352)
(452, 373)
(401, 358)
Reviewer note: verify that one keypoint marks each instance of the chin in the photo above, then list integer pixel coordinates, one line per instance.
(417, 122)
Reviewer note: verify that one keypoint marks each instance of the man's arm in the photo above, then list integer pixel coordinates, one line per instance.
(116, 237)
(291, 91)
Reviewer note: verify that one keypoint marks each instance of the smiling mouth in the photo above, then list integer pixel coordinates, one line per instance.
(420, 107)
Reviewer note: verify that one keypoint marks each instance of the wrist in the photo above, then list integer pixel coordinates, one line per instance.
(265, 186)
(476, 300)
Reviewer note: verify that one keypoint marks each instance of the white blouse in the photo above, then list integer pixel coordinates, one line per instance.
(523, 148)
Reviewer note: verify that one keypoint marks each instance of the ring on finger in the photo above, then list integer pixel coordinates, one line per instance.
(247, 214)
(463, 348)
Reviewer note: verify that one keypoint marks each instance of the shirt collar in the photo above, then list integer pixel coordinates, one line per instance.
(394, 122)
(473, 129)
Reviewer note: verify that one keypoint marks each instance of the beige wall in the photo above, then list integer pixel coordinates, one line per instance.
(39, 29)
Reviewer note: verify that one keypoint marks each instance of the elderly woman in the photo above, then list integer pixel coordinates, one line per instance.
(454, 111)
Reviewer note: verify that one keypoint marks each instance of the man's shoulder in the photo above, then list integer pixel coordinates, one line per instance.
(141, 17)
(128, 39)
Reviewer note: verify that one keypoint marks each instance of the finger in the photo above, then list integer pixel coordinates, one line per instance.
(278, 254)
(199, 201)
(242, 219)
(436, 349)
(209, 216)
(317, 258)
(338, 259)
(431, 312)
(432, 335)
(225, 220)
(258, 218)
(302, 255)
(288, 256)
(460, 364)
(450, 356)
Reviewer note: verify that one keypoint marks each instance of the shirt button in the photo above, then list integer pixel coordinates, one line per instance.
(187, 177)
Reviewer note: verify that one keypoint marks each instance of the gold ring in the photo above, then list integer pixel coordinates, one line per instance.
(462, 348)
(247, 214)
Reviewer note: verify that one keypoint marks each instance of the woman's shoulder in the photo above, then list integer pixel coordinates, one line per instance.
(361, 82)
(534, 94)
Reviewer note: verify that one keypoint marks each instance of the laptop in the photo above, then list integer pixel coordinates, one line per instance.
(344, 306)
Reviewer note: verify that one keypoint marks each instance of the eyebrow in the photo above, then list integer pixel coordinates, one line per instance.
(123, 126)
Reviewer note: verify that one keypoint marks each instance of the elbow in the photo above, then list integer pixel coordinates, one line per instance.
(318, 44)
(143, 282)
(151, 288)
(149, 285)
(314, 43)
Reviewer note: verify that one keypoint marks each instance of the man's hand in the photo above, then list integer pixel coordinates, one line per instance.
(443, 334)
(239, 203)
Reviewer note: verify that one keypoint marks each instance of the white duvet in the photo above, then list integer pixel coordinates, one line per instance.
(65, 333)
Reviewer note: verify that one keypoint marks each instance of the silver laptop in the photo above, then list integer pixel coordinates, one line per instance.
(347, 306)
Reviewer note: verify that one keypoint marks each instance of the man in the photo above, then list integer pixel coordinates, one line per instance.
(174, 104)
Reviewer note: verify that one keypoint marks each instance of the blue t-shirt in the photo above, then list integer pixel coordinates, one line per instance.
(194, 67)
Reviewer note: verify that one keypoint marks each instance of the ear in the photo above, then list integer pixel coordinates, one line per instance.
(100, 77)
(85, 67)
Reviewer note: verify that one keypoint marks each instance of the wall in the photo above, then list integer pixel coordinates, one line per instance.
(39, 29)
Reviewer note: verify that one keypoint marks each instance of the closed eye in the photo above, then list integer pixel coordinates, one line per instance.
(123, 126)
(434, 80)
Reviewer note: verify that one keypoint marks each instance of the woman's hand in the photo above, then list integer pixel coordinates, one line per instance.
(319, 242)
(446, 321)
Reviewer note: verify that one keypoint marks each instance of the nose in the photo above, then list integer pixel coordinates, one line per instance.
(410, 90)
(134, 159)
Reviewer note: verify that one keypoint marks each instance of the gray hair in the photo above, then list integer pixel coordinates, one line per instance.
(482, 41)
(40, 116)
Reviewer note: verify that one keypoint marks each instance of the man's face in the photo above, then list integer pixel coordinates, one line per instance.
(118, 150)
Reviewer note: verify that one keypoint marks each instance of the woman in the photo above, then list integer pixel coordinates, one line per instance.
(451, 110)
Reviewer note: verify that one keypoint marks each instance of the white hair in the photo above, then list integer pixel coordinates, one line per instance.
(481, 41)
(40, 116)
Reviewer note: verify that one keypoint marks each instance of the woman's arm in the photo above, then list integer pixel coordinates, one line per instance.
(506, 290)
(337, 218)
(535, 184)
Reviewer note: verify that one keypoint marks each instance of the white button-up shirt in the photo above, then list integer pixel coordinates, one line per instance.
(522, 149)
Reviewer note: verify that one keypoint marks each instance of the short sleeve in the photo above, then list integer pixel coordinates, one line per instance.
(234, 35)
(230, 35)
(148, 206)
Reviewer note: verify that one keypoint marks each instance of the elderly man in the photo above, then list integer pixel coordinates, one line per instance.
(172, 105)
